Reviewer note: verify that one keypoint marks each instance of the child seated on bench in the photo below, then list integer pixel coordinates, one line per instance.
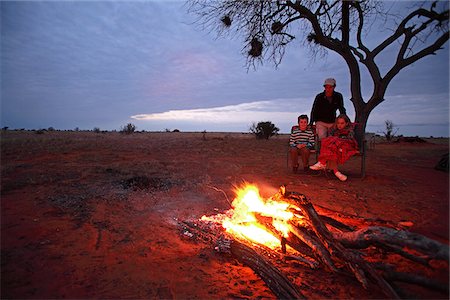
(338, 147)
(301, 142)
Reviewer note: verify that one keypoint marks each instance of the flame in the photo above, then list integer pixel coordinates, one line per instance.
(241, 221)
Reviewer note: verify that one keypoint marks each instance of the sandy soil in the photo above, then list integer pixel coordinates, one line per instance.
(92, 215)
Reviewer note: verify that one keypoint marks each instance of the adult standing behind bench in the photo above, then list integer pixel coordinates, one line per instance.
(324, 108)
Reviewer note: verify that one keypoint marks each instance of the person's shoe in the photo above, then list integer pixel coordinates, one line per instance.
(341, 176)
(318, 166)
(295, 169)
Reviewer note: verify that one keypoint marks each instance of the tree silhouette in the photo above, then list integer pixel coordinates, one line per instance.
(264, 130)
(340, 26)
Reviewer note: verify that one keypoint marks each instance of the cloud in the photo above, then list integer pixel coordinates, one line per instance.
(404, 110)
(240, 113)
(412, 109)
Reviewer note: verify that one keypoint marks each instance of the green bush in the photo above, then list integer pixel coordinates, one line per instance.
(264, 130)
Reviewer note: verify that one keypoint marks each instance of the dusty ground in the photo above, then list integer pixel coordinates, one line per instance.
(92, 215)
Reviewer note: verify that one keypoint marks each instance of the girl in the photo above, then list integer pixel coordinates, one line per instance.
(338, 147)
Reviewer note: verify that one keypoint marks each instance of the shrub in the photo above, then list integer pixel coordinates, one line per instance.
(128, 129)
(390, 130)
(264, 130)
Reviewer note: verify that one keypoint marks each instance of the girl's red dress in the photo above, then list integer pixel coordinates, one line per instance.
(339, 146)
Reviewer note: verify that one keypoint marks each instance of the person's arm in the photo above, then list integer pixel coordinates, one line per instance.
(311, 140)
(351, 134)
(292, 140)
(312, 116)
(341, 108)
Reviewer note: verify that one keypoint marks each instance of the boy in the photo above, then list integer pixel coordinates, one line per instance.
(301, 143)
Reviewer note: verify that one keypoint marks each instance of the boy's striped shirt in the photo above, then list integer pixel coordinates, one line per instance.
(301, 137)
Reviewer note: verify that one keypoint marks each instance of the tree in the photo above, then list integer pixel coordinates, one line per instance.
(129, 128)
(264, 130)
(389, 133)
(340, 26)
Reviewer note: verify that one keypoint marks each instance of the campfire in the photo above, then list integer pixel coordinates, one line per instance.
(287, 225)
(246, 219)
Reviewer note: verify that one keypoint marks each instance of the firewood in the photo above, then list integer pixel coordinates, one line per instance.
(309, 262)
(299, 246)
(315, 245)
(280, 285)
(336, 224)
(396, 249)
(388, 236)
(353, 261)
(417, 280)
(294, 244)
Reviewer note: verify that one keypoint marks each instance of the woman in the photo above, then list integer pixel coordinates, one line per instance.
(338, 147)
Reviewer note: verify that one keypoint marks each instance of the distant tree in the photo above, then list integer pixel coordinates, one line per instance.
(176, 130)
(391, 131)
(264, 130)
(5, 128)
(340, 26)
(51, 129)
(96, 130)
(77, 129)
(128, 129)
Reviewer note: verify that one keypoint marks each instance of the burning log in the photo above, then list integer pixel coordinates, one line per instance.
(302, 256)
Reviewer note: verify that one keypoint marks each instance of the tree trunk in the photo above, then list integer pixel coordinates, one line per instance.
(360, 128)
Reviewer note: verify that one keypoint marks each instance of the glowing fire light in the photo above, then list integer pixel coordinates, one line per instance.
(242, 220)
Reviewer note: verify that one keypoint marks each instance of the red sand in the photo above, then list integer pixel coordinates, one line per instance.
(73, 226)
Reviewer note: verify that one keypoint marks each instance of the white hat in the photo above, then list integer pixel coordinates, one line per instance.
(330, 81)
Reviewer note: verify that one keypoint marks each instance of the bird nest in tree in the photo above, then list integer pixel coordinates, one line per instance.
(276, 27)
(226, 20)
(256, 48)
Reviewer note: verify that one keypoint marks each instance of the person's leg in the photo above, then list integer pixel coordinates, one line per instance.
(305, 153)
(332, 164)
(321, 164)
(294, 158)
(328, 126)
(321, 130)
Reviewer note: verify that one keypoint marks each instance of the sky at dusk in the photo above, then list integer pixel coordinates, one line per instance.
(104, 64)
